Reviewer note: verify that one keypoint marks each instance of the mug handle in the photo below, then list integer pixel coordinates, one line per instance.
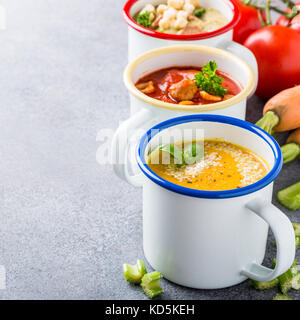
(244, 53)
(120, 146)
(285, 241)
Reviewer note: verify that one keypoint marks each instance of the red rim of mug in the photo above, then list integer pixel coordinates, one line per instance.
(181, 37)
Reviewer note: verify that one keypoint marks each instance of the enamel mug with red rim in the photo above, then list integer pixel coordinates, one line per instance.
(141, 39)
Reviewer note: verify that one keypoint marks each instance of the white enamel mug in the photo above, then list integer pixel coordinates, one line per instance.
(183, 55)
(146, 111)
(212, 239)
(141, 39)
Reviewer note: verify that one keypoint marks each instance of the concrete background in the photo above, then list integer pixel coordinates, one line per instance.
(67, 224)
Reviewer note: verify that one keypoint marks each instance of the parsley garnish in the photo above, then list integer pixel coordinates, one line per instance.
(144, 19)
(199, 12)
(208, 80)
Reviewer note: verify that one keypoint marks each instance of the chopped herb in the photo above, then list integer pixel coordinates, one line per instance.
(209, 81)
(281, 296)
(144, 19)
(199, 12)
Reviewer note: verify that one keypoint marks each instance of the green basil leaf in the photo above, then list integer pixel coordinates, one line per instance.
(193, 153)
(173, 150)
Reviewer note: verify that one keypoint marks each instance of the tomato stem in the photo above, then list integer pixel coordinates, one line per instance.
(290, 151)
(268, 13)
(288, 15)
(293, 13)
(289, 3)
(261, 19)
(292, 6)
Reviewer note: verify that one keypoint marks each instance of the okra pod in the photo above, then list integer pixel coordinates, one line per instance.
(264, 285)
(150, 284)
(281, 296)
(296, 227)
(290, 196)
(290, 152)
(297, 241)
(285, 281)
(287, 278)
(296, 282)
(134, 273)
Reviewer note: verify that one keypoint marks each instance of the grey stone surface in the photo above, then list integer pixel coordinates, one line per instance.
(67, 223)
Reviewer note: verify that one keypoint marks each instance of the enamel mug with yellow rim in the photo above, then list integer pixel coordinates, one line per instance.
(146, 111)
(192, 55)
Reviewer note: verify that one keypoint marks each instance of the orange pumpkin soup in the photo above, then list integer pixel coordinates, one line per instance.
(223, 166)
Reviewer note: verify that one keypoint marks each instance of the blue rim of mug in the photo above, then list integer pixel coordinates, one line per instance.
(266, 180)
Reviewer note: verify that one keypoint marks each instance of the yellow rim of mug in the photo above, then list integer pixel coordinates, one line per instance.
(127, 77)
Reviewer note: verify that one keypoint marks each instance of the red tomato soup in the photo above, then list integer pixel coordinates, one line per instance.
(177, 85)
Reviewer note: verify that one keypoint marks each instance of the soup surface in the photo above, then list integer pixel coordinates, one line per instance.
(223, 166)
(177, 85)
(180, 17)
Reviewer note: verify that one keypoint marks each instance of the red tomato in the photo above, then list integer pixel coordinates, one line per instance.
(292, 23)
(277, 51)
(248, 22)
